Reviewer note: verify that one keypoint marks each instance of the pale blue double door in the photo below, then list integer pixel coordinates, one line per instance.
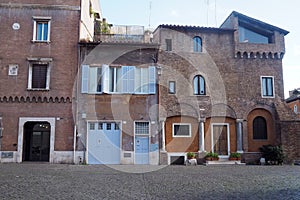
(103, 143)
(141, 150)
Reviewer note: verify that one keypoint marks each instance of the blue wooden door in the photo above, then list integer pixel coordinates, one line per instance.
(104, 144)
(141, 150)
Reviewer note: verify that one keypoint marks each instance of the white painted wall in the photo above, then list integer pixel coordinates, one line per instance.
(87, 20)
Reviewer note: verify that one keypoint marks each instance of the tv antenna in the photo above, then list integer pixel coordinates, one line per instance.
(150, 8)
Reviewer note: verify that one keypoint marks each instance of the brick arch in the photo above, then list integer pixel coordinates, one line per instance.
(253, 145)
(182, 144)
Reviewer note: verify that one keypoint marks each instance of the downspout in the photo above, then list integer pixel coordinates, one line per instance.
(74, 145)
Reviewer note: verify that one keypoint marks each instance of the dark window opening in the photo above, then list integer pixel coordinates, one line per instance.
(39, 76)
(168, 44)
(181, 130)
(177, 160)
(36, 141)
(260, 129)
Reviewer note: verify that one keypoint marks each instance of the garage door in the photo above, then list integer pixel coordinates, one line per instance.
(103, 143)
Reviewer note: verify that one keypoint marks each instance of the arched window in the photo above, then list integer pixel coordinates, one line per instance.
(260, 129)
(295, 109)
(197, 44)
(199, 85)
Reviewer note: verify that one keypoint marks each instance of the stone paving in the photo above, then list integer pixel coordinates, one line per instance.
(51, 181)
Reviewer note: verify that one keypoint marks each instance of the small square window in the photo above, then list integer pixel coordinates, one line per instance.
(108, 126)
(100, 126)
(172, 87)
(181, 130)
(142, 128)
(92, 126)
(117, 126)
(41, 29)
(168, 44)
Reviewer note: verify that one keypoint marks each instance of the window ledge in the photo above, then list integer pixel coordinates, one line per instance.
(268, 97)
(40, 41)
(200, 95)
(37, 89)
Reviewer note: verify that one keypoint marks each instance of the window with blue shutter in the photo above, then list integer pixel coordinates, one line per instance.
(85, 79)
(128, 73)
(105, 78)
(152, 80)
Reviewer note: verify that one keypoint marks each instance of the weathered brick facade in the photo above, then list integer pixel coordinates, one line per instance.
(233, 72)
(213, 90)
(19, 104)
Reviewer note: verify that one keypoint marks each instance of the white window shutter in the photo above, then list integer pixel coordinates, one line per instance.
(152, 80)
(105, 79)
(93, 80)
(130, 76)
(128, 79)
(124, 79)
(84, 78)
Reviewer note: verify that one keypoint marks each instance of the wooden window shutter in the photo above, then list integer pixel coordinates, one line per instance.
(39, 76)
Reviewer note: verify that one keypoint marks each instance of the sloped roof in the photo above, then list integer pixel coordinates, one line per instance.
(193, 28)
(295, 96)
(257, 23)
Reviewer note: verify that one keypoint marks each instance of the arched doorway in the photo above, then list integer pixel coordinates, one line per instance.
(36, 143)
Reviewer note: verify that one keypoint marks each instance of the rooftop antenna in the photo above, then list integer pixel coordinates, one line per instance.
(150, 8)
(216, 13)
(207, 4)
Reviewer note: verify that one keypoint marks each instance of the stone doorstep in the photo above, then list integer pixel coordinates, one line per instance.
(224, 162)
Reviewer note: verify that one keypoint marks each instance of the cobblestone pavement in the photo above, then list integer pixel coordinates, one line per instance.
(51, 181)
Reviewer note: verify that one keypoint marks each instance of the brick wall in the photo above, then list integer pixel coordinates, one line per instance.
(16, 46)
(291, 139)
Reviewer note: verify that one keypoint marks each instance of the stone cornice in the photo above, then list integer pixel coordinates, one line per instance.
(39, 6)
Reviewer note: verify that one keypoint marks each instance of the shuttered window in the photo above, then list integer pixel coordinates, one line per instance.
(260, 129)
(125, 79)
(39, 76)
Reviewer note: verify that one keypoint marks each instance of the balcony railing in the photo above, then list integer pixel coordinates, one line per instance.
(123, 34)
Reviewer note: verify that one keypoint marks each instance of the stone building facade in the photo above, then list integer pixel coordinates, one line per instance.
(221, 90)
(293, 101)
(68, 96)
(38, 62)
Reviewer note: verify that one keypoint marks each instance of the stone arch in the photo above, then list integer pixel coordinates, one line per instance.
(258, 55)
(255, 144)
(222, 110)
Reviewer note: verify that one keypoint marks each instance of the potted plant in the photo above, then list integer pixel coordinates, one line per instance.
(235, 156)
(215, 156)
(211, 156)
(191, 155)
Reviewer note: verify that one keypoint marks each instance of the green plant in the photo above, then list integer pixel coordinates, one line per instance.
(211, 155)
(235, 155)
(190, 155)
(272, 154)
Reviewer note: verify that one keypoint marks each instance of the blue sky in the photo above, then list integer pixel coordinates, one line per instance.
(212, 13)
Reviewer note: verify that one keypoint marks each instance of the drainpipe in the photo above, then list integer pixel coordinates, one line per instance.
(74, 145)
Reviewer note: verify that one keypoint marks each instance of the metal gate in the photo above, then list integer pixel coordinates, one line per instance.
(103, 143)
